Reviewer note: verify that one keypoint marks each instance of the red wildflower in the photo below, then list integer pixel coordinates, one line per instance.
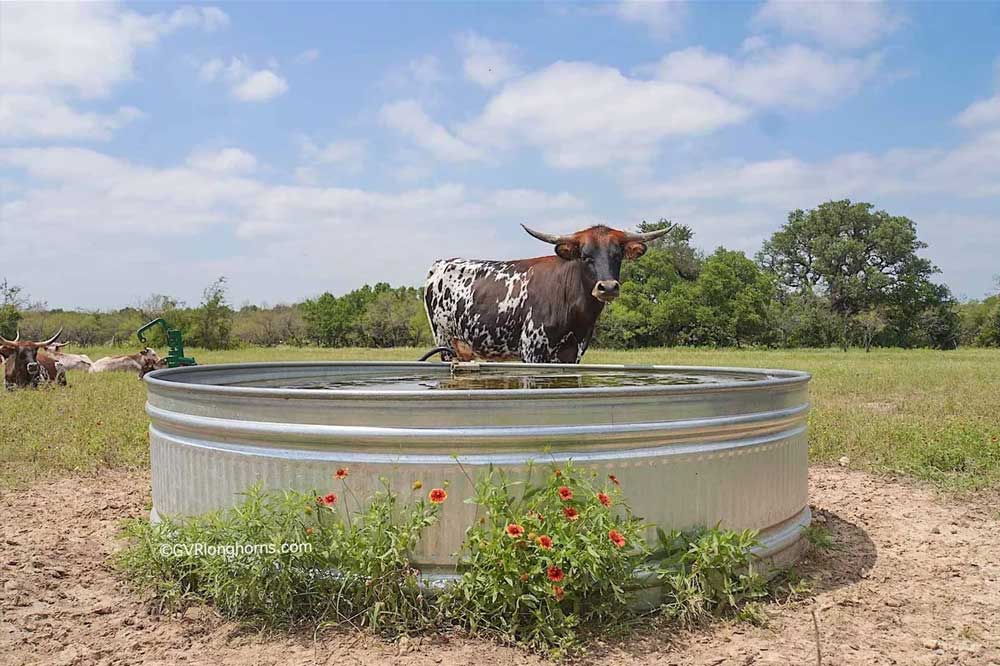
(437, 495)
(514, 530)
(604, 499)
(340, 474)
(544, 542)
(614, 479)
(328, 500)
(617, 538)
(554, 573)
(565, 493)
(558, 592)
(570, 513)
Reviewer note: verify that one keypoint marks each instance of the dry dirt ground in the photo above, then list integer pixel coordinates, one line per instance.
(913, 579)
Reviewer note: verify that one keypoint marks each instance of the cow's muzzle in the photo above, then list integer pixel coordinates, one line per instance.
(606, 290)
(32, 368)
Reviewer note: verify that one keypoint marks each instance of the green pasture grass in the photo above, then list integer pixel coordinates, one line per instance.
(927, 414)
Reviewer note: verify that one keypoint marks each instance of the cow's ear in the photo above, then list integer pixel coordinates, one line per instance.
(568, 251)
(634, 249)
(6, 351)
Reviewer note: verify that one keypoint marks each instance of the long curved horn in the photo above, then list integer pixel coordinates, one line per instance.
(53, 338)
(18, 336)
(5, 341)
(548, 238)
(649, 235)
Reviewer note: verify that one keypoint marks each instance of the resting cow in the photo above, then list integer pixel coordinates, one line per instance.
(141, 363)
(26, 365)
(541, 310)
(69, 361)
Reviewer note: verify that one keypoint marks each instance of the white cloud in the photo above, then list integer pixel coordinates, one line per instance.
(789, 76)
(344, 156)
(980, 114)
(485, 61)
(245, 83)
(848, 24)
(663, 18)
(586, 115)
(970, 170)
(306, 57)
(52, 55)
(260, 87)
(409, 118)
(225, 160)
(38, 116)
(84, 48)
(315, 238)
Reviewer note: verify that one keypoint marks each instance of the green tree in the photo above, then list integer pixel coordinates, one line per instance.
(859, 258)
(396, 318)
(11, 304)
(729, 304)
(212, 321)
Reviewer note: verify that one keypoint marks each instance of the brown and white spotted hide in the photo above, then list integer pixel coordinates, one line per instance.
(540, 310)
(25, 365)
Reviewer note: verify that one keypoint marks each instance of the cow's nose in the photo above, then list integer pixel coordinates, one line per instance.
(33, 368)
(607, 289)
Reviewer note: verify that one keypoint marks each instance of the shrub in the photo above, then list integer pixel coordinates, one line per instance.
(707, 573)
(344, 570)
(547, 562)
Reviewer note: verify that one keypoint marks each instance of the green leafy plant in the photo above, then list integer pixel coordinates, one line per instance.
(708, 573)
(549, 561)
(286, 559)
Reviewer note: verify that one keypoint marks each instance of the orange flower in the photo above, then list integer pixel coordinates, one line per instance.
(524, 577)
(544, 542)
(557, 473)
(340, 474)
(604, 499)
(565, 493)
(570, 513)
(437, 495)
(514, 530)
(558, 592)
(309, 530)
(614, 479)
(617, 538)
(328, 500)
(555, 574)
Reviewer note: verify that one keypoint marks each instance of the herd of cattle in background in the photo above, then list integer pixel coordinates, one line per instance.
(29, 364)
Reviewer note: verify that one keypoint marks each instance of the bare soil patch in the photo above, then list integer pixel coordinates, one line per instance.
(913, 579)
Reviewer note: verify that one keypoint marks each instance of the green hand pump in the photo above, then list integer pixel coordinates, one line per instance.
(175, 358)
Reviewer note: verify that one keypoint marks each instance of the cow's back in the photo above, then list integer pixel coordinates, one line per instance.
(116, 364)
(477, 306)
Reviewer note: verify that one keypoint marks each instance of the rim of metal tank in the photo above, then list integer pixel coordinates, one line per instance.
(770, 378)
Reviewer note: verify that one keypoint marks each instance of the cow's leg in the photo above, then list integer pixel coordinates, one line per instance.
(568, 354)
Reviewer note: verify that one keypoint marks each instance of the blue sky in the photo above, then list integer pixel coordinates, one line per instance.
(302, 148)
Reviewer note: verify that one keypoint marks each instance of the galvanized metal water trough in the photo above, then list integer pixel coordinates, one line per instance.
(730, 449)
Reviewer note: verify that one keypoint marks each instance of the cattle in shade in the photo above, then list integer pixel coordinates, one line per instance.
(140, 363)
(27, 365)
(540, 310)
(69, 361)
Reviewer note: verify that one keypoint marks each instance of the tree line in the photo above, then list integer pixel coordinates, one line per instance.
(841, 274)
